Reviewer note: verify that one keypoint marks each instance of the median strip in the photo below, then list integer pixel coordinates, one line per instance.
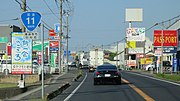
(140, 92)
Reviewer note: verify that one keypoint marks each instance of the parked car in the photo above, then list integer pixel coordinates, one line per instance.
(5, 66)
(107, 73)
(150, 67)
(166, 66)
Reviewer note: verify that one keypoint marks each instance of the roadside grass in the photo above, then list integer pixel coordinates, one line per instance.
(8, 85)
(171, 77)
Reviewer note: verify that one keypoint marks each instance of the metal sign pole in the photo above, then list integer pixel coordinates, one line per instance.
(42, 60)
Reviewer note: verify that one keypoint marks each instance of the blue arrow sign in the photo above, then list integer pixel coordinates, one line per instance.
(31, 20)
(57, 27)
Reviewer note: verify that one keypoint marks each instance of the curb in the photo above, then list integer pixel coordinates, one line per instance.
(57, 92)
(77, 77)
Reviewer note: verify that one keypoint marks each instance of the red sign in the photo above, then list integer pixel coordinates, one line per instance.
(169, 38)
(54, 44)
(52, 33)
(139, 55)
(9, 50)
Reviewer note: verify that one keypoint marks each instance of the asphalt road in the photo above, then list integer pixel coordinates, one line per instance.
(134, 88)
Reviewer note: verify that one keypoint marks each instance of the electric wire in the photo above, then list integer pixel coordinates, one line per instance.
(51, 9)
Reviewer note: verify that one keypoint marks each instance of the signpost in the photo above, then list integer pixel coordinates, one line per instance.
(31, 20)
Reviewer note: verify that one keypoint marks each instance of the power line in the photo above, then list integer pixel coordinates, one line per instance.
(51, 10)
(160, 23)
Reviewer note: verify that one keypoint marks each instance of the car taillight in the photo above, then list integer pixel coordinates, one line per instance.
(116, 73)
(97, 73)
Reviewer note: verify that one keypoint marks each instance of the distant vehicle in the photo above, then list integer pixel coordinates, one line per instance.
(96, 58)
(107, 73)
(91, 69)
(36, 67)
(73, 64)
(5, 66)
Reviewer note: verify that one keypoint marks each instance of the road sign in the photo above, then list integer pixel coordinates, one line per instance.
(31, 35)
(31, 20)
(57, 27)
(3, 39)
(54, 38)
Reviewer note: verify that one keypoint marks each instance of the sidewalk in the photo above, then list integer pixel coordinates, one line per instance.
(56, 82)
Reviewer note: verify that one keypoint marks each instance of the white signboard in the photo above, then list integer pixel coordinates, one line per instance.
(134, 14)
(21, 54)
(135, 34)
(135, 50)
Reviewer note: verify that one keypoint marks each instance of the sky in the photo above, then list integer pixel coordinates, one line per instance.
(94, 22)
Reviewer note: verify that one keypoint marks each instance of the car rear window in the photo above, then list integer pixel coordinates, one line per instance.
(106, 67)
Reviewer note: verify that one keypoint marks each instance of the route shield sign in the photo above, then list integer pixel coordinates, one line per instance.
(31, 20)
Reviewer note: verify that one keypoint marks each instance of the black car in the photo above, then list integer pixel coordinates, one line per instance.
(107, 73)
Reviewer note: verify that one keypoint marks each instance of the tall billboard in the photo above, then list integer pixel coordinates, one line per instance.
(21, 54)
(134, 14)
(135, 34)
(168, 37)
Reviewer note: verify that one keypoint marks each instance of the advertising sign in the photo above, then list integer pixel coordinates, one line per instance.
(167, 49)
(54, 45)
(21, 54)
(131, 44)
(134, 14)
(139, 55)
(135, 34)
(52, 33)
(169, 38)
(135, 50)
(131, 62)
(146, 61)
(174, 65)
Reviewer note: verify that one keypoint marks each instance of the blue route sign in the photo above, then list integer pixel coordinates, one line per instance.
(57, 27)
(31, 20)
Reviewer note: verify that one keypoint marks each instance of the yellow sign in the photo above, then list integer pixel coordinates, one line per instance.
(131, 44)
(147, 60)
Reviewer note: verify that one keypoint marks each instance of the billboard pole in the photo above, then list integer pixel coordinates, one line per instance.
(162, 42)
(42, 60)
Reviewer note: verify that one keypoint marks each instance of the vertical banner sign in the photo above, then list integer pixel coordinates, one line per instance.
(21, 54)
(174, 65)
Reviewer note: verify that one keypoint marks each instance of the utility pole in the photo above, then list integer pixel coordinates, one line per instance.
(117, 55)
(67, 30)
(23, 10)
(42, 62)
(60, 35)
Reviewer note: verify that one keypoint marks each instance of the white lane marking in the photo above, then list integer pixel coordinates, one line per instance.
(67, 98)
(156, 79)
